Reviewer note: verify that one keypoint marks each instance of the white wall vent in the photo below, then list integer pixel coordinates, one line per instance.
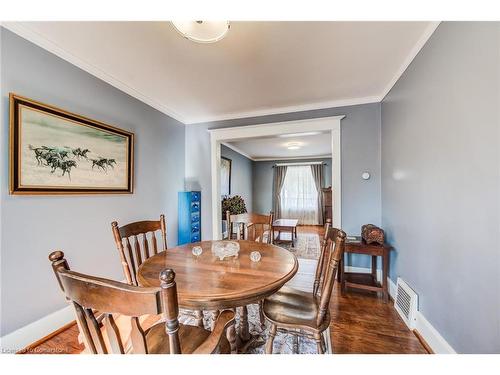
(406, 303)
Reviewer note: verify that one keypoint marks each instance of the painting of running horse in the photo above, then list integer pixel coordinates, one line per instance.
(53, 151)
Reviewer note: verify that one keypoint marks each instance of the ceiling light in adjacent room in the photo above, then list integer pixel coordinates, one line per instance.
(293, 145)
(202, 31)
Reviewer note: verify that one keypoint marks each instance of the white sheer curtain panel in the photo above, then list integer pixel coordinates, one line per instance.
(299, 195)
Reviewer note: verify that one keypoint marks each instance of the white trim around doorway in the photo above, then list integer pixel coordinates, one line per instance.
(222, 135)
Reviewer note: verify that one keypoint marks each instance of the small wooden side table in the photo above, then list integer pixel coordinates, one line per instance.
(356, 245)
(284, 225)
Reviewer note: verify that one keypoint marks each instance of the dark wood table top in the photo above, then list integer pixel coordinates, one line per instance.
(288, 223)
(355, 244)
(205, 282)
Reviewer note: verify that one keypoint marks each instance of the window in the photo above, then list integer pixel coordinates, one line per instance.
(299, 197)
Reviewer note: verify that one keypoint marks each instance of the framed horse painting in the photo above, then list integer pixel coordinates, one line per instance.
(53, 151)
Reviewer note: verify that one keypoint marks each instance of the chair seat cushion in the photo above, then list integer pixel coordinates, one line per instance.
(292, 307)
(190, 337)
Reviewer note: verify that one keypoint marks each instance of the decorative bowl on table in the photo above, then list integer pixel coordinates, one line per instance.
(225, 249)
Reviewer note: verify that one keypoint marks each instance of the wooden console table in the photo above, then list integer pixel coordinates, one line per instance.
(362, 280)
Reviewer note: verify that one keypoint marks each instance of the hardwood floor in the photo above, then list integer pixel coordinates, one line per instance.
(361, 322)
(65, 342)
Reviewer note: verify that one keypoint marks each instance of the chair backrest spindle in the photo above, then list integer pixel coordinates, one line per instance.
(320, 266)
(132, 249)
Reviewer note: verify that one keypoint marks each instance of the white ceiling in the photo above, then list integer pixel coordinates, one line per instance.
(275, 148)
(259, 68)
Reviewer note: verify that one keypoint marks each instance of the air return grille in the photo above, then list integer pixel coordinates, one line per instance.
(406, 303)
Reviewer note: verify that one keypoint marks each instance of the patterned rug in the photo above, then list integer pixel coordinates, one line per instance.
(306, 246)
(283, 343)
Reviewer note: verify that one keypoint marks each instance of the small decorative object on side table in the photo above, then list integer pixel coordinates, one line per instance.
(358, 245)
(372, 234)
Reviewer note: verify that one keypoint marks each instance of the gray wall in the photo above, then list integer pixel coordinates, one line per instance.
(32, 226)
(241, 175)
(441, 182)
(360, 151)
(263, 181)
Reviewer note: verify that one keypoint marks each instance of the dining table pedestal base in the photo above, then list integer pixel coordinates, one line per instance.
(246, 340)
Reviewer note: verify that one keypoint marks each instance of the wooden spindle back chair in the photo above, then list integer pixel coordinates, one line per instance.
(335, 245)
(302, 313)
(250, 226)
(321, 265)
(141, 235)
(89, 294)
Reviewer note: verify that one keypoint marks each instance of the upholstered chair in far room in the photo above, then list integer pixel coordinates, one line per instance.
(302, 313)
(89, 294)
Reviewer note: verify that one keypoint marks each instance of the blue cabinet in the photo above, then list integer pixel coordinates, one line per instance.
(189, 217)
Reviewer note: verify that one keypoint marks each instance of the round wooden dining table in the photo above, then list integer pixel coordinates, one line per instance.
(205, 282)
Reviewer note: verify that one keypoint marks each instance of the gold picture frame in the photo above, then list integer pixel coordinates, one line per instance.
(53, 151)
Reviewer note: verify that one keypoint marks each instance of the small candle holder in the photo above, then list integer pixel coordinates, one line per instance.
(197, 250)
(255, 256)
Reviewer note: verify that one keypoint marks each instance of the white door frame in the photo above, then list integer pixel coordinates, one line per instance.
(218, 136)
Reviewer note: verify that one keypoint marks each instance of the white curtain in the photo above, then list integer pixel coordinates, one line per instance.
(299, 195)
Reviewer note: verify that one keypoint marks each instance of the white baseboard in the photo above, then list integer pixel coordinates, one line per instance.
(21, 338)
(392, 288)
(431, 335)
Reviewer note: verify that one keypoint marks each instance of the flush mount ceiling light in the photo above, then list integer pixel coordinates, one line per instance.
(298, 134)
(293, 145)
(202, 31)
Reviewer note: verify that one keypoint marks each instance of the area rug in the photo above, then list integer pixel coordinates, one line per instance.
(283, 343)
(307, 246)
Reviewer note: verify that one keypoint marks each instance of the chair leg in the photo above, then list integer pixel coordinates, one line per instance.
(323, 343)
(262, 318)
(199, 318)
(270, 339)
(231, 337)
(319, 344)
(244, 328)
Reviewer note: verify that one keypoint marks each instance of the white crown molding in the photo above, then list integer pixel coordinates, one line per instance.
(333, 103)
(238, 150)
(43, 42)
(411, 56)
(248, 156)
(294, 158)
(27, 33)
(288, 109)
(283, 127)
